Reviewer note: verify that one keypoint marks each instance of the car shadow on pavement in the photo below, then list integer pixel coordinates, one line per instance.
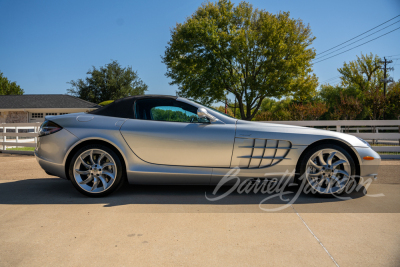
(58, 191)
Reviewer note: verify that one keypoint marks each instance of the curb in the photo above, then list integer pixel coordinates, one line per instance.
(390, 156)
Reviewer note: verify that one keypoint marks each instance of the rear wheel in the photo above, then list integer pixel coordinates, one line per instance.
(96, 170)
(327, 169)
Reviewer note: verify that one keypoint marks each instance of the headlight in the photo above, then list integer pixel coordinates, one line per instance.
(365, 142)
(49, 127)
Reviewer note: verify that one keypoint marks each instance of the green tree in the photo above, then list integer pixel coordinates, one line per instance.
(272, 110)
(394, 86)
(110, 82)
(339, 100)
(393, 101)
(9, 88)
(348, 108)
(221, 109)
(248, 52)
(171, 115)
(376, 103)
(366, 75)
(364, 72)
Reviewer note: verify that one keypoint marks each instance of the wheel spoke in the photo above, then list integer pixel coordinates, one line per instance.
(329, 160)
(89, 179)
(342, 172)
(82, 172)
(315, 174)
(321, 158)
(334, 177)
(341, 161)
(109, 174)
(91, 157)
(84, 163)
(330, 184)
(107, 164)
(100, 158)
(318, 184)
(103, 181)
(339, 181)
(314, 165)
(95, 184)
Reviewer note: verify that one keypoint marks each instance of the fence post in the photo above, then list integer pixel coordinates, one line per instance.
(2, 136)
(338, 128)
(16, 137)
(35, 129)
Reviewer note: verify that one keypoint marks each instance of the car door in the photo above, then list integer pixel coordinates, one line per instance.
(169, 132)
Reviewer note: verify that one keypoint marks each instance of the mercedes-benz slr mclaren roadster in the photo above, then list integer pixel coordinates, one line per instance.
(171, 140)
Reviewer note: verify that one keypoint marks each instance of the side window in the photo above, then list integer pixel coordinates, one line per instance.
(168, 113)
(167, 110)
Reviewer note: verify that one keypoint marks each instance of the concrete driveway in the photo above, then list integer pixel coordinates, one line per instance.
(44, 221)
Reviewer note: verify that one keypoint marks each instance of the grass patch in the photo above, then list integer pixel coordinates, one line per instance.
(22, 148)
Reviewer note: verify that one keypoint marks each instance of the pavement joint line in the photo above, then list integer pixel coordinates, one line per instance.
(315, 236)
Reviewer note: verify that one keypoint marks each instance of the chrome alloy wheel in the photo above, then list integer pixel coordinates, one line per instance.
(328, 171)
(95, 170)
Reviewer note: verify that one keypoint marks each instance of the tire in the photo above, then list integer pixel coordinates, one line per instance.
(320, 175)
(96, 171)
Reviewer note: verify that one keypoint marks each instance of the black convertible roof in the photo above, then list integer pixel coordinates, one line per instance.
(124, 107)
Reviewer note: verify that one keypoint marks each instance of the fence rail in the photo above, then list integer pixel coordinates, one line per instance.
(341, 123)
(25, 135)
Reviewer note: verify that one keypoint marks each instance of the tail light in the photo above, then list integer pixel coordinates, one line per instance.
(49, 127)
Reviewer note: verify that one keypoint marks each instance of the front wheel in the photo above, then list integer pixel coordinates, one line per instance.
(327, 169)
(96, 170)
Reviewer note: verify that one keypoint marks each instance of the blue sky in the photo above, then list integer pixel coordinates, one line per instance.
(45, 44)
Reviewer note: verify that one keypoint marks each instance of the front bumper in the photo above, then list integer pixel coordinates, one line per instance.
(368, 168)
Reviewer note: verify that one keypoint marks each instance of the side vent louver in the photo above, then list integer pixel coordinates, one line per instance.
(259, 153)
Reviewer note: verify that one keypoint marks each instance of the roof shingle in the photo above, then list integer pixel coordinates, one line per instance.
(43, 101)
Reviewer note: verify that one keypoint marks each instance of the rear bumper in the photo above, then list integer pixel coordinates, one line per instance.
(51, 167)
(51, 150)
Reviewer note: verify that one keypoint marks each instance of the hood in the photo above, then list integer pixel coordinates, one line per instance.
(298, 135)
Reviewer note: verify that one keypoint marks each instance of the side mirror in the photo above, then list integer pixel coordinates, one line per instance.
(202, 113)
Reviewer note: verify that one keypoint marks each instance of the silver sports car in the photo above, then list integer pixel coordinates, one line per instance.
(156, 139)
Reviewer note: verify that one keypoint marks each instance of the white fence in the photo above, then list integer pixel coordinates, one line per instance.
(369, 130)
(18, 135)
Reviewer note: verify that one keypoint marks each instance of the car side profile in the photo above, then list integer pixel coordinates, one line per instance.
(157, 139)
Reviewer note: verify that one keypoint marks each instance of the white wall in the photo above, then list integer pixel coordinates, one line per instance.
(50, 112)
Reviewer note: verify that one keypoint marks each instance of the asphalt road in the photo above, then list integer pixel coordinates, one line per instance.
(44, 221)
